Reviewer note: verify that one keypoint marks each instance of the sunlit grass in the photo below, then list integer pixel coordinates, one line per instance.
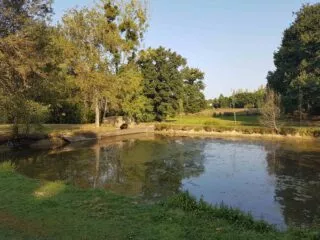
(56, 129)
(7, 167)
(49, 189)
(227, 121)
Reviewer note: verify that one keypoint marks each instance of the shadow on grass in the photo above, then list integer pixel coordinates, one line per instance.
(170, 120)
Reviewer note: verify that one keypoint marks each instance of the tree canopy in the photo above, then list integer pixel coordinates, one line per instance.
(27, 62)
(169, 83)
(297, 74)
(90, 65)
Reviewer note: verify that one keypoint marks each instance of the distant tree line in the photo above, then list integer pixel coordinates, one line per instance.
(88, 66)
(239, 99)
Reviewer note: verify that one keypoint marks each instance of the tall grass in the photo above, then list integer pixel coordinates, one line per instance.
(188, 203)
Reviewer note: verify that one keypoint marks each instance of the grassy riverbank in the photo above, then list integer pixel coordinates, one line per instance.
(54, 129)
(30, 209)
(244, 124)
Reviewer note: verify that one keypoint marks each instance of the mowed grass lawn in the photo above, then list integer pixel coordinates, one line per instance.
(31, 209)
(222, 121)
(206, 118)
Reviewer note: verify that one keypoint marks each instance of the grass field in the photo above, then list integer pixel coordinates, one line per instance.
(247, 124)
(207, 117)
(217, 121)
(30, 209)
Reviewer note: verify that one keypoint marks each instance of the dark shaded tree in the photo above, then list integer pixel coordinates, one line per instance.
(297, 74)
(16, 14)
(169, 84)
(163, 85)
(28, 67)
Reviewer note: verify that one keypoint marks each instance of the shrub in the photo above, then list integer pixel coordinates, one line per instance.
(161, 127)
(7, 167)
(186, 128)
(288, 131)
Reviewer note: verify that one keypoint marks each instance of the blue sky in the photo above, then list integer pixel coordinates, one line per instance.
(231, 41)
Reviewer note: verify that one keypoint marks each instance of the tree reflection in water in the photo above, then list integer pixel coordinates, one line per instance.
(297, 187)
(149, 167)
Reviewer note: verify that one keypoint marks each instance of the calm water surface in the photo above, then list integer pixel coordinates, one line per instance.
(274, 180)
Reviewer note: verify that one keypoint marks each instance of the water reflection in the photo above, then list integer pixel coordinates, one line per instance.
(148, 166)
(277, 181)
(297, 186)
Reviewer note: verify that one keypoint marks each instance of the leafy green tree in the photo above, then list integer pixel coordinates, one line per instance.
(193, 97)
(163, 82)
(130, 98)
(297, 74)
(104, 39)
(169, 85)
(26, 63)
(225, 102)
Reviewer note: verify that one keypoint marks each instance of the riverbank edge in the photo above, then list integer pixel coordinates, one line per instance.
(181, 210)
(60, 139)
(202, 133)
(305, 133)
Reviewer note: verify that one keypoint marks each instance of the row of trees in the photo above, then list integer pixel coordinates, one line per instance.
(240, 99)
(89, 66)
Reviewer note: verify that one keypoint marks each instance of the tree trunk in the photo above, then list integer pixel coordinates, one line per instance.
(97, 151)
(105, 109)
(15, 130)
(97, 110)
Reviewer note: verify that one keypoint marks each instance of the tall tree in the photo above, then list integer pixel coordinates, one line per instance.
(163, 82)
(25, 59)
(297, 74)
(194, 99)
(104, 39)
(169, 84)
